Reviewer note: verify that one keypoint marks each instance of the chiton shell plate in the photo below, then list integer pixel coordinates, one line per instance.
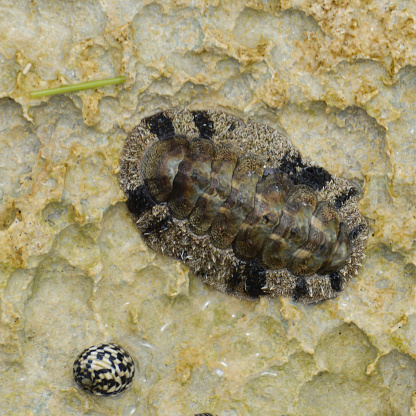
(240, 205)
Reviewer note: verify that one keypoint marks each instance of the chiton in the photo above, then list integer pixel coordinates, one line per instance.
(240, 205)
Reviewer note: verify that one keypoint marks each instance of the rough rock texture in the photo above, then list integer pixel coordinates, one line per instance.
(337, 76)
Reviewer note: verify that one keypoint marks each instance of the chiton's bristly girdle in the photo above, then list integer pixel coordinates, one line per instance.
(239, 204)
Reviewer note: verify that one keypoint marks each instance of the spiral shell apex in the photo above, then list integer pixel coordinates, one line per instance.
(104, 369)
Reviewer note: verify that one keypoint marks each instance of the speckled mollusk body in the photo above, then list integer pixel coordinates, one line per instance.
(238, 204)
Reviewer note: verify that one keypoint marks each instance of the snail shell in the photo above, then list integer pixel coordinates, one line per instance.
(104, 369)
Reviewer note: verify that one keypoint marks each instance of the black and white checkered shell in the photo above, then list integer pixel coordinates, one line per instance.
(104, 369)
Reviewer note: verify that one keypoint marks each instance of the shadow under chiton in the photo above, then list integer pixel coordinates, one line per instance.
(239, 204)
